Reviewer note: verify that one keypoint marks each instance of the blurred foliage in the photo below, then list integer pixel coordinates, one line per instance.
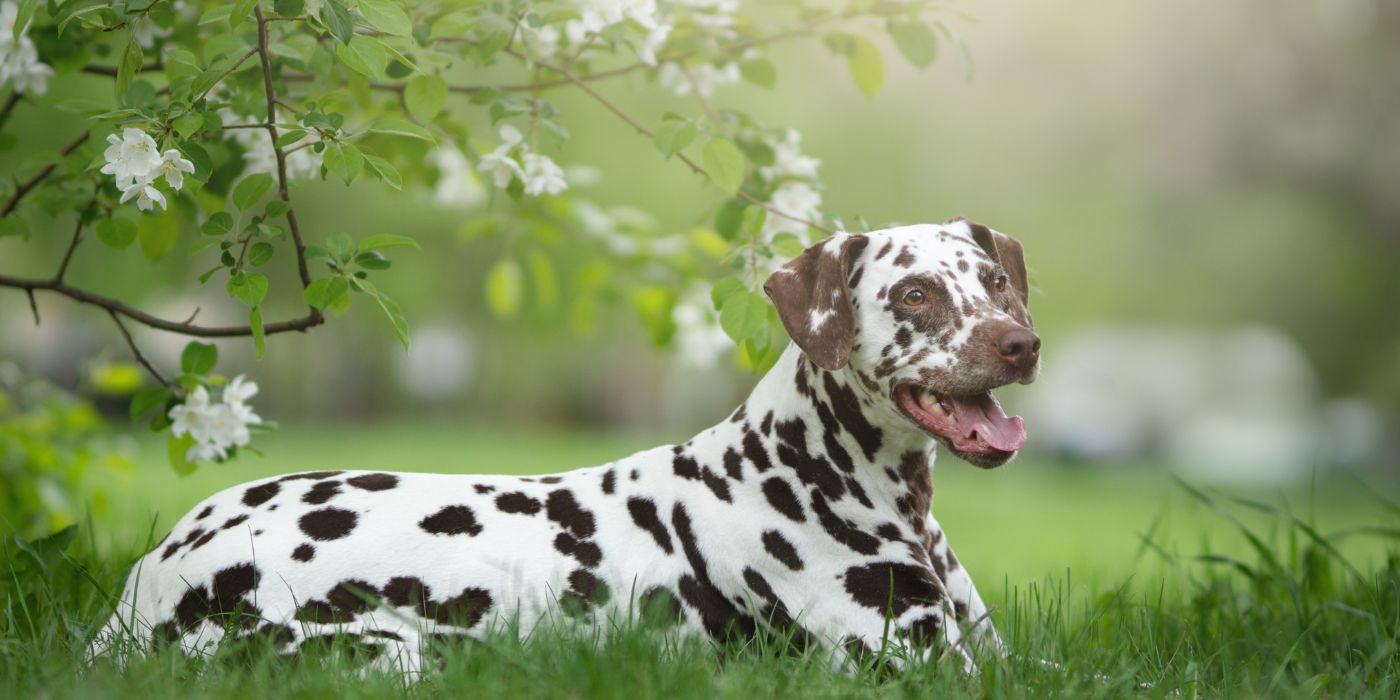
(55, 455)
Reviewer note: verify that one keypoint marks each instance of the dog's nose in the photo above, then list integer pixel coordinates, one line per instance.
(1019, 347)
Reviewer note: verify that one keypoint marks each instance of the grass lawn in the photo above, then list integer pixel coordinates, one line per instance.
(1100, 572)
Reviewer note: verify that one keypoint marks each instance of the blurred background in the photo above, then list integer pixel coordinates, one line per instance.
(1206, 192)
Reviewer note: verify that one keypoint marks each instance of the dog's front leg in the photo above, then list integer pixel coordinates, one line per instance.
(972, 614)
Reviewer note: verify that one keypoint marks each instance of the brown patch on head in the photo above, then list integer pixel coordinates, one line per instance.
(813, 300)
(1007, 252)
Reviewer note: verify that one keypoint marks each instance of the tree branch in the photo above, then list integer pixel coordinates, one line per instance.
(135, 314)
(135, 350)
(266, 60)
(24, 187)
(228, 72)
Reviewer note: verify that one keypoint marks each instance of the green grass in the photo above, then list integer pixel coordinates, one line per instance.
(1127, 582)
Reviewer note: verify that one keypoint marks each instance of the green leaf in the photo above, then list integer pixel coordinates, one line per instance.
(390, 309)
(504, 288)
(247, 287)
(216, 15)
(251, 190)
(453, 24)
(219, 223)
(753, 220)
(158, 234)
(276, 208)
(325, 292)
(546, 281)
(116, 233)
(147, 400)
(916, 41)
(730, 217)
(425, 96)
(187, 124)
(674, 135)
(744, 316)
(387, 241)
(240, 12)
(289, 137)
(129, 66)
(23, 13)
(289, 8)
(372, 260)
(198, 358)
(787, 245)
(399, 127)
(725, 164)
(175, 451)
(343, 159)
(364, 55)
(759, 71)
(338, 20)
(255, 322)
(260, 253)
(386, 172)
(867, 68)
(724, 289)
(386, 17)
(655, 307)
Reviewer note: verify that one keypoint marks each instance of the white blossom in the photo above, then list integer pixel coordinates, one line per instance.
(131, 157)
(788, 160)
(502, 166)
(174, 166)
(457, 184)
(259, 156)
(146, 196)
(19, 60)
(146, 32)
(597, 15)
(796, 199)
(538, 173)
(214, 427)
(542, 175)
(701, 78)
(189, 417)
(700, 342)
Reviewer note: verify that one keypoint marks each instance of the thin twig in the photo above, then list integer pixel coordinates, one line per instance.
(33, 306)
(24, 187)
(10, 103)
(72, 246)
(135, 350)
(110, 71)
(228, 72)
(694, 167)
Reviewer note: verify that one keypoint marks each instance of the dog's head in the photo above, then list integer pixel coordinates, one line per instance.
(927, 321)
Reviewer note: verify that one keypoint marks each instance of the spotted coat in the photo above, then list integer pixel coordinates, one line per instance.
(806, 510)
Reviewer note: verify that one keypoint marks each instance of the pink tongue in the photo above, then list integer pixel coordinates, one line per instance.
(983, 415)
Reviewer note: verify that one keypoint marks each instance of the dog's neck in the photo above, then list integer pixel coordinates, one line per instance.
(842, 437)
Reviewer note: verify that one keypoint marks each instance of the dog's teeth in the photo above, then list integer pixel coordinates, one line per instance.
(981, 442)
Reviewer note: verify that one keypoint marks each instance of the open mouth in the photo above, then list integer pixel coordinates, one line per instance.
(973, 425)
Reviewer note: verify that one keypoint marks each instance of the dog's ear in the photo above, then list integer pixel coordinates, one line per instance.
(1006, 251)
(813, 299)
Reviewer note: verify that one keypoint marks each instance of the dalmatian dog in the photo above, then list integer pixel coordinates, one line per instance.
(806, 511)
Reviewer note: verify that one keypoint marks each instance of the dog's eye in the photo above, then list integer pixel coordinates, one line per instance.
(913, 297)
(1000, 283)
